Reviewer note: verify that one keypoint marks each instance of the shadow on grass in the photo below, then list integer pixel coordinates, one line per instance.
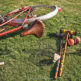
(58, 40)
(41, 57)
(52, 35)
(45, 62)
(11, 34)
(4, 52)
(75, 53)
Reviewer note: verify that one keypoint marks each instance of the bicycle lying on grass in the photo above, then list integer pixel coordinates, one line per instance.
(26, 15)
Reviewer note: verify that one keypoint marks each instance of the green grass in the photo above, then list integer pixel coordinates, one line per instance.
(29, 58)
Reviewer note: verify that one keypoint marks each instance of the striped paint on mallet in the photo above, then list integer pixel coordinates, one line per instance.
(64, 52)
(58, 62)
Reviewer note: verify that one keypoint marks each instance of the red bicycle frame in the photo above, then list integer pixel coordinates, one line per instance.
(14, 24)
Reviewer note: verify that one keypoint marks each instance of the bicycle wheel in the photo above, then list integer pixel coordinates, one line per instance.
(41, 12)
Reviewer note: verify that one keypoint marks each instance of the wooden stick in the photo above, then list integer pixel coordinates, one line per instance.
(58, 62)
(62, 60)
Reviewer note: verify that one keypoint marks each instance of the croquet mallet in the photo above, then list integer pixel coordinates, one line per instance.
(67, 32)
(62, 58)
(58, 61)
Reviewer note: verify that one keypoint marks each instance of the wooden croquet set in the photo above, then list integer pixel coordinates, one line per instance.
(66, 41)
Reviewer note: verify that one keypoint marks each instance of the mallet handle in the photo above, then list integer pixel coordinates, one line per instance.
(58, 62)
(62, 60)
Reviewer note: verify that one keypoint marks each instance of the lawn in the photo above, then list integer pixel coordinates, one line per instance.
(29, 58)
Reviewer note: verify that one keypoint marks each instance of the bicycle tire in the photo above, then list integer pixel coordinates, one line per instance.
(51, 14)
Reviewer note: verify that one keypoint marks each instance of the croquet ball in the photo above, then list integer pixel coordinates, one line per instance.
(77, 40)
(70, 42)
